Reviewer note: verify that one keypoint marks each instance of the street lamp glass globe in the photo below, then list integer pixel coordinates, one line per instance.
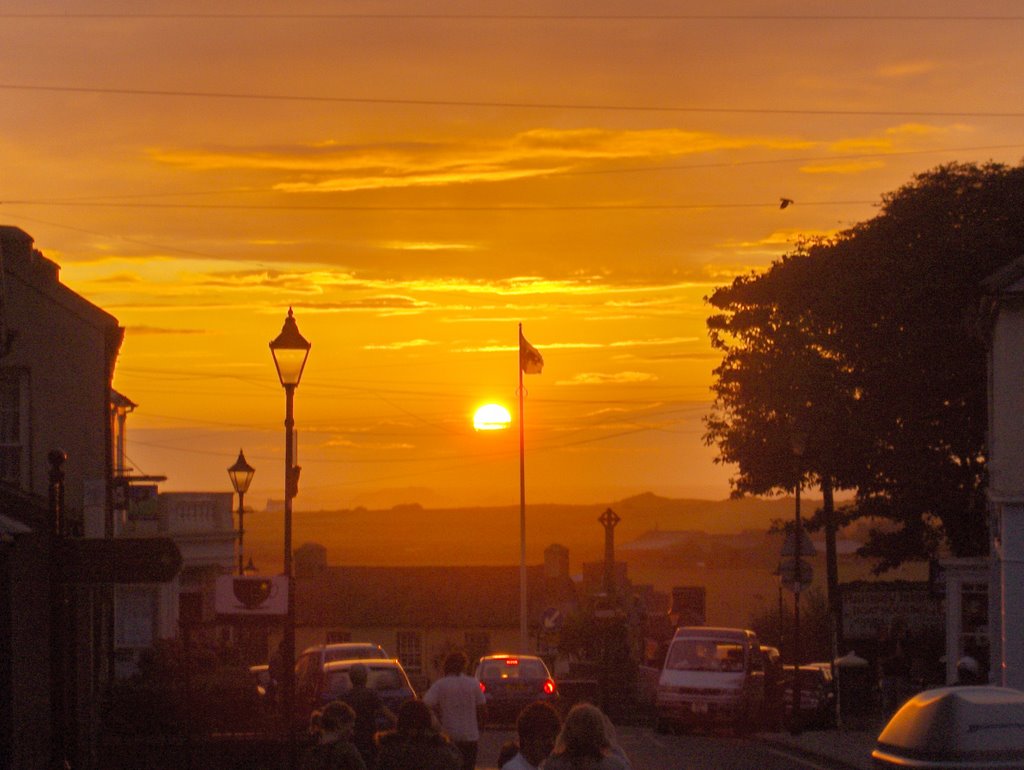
(241, 474)
(290, 350)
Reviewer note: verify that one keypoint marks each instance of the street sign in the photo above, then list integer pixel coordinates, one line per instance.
(796, 577)
(689, 606)
(118, 560)
(806, 546)
(552, 619)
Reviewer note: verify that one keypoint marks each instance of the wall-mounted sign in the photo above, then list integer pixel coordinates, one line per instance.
(267, 595)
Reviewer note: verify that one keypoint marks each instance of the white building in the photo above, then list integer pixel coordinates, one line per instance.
(201, 525)
(1005, 317)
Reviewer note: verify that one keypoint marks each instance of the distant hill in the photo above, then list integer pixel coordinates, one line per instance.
(412, 534)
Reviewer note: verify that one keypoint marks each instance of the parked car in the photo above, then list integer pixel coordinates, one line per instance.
(817, 695)
(510, 682)
(309, 666)
(345, 651)
(711, 676)
(955, 727)
(773, 708)
(387, 677)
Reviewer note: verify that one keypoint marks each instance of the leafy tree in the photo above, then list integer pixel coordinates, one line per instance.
(870, 343)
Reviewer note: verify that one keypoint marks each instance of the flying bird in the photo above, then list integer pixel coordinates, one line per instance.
(785, 202)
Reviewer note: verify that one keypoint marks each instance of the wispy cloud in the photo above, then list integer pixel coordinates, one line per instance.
(600, 378)
(155, 330)
(427, 246)
(400, 345)
(350, 444)
(892, 139)
(653, 341)
(843, 167)
(119, 278)
(328, 167)
(907, 69)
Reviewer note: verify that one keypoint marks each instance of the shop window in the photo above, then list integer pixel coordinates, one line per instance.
(974, 622)
(409, 648)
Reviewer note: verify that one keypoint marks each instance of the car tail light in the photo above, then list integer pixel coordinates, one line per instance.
(511, 661)
(549, 686)
(483, 687)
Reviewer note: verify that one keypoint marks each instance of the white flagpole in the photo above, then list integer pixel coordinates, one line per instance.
(523, 633)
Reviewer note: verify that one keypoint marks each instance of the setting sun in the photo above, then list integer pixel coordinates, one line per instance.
(491, 417)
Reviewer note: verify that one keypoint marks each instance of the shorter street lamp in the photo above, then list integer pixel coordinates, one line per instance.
(241, 477)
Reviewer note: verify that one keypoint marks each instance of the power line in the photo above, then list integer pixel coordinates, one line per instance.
(506, 105)
(516, 17)
(507, 207)
(111, 198)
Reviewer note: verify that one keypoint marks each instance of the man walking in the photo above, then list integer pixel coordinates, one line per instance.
(460, 706)
(368, 706)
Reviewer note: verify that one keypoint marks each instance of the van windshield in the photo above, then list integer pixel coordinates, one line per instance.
(705, 655)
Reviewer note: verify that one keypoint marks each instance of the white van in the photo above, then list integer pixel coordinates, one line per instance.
(711, 676)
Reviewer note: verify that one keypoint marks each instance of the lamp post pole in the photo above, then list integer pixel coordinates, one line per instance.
(289, 625)
(241, 476)
(241, 532)
(290, 350)
(798, 443)
(782, 615)
(798, 531)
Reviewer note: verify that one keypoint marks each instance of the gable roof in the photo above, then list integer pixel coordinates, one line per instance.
(483, 597)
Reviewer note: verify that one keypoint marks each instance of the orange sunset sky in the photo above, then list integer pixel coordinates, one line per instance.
(417, 178)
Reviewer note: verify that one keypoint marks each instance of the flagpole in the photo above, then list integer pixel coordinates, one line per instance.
(523, 645)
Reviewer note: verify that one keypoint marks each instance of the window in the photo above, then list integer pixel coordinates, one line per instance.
(14, 464)
(705, 654)
(409, 648)
(974, 622)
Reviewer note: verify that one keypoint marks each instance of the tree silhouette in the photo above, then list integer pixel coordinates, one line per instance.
(871, 342)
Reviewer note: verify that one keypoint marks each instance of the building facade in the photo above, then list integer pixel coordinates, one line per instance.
(57, 357)
(420, 614)
(1005, 624)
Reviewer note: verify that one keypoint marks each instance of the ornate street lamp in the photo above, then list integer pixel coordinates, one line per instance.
(290, 351)
(241, 477)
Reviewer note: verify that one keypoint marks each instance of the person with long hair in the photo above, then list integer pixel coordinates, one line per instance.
(586, 742)
(415, 744)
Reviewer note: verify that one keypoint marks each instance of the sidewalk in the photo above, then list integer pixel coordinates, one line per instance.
(847, 747)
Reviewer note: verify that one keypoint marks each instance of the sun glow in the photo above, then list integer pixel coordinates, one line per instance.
(491, 417)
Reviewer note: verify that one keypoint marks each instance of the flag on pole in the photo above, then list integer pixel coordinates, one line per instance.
(530, 359)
